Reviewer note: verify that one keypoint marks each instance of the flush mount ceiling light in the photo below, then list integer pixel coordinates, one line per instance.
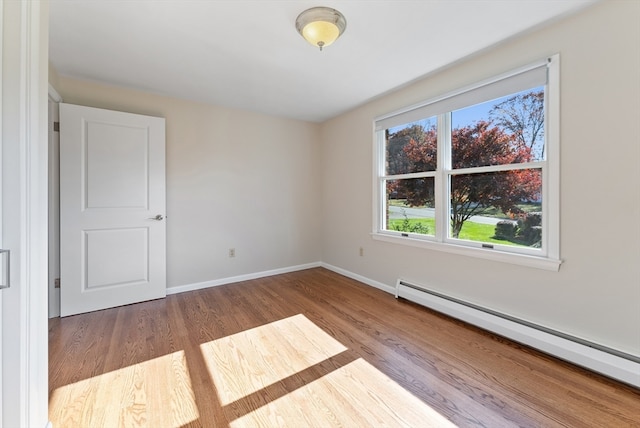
(321, 26)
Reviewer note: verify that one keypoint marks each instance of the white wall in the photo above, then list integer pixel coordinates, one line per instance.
(234, 180)
(596, 293)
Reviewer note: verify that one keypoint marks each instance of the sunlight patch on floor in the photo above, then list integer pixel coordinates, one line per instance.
(156, 392)
(293, 371)
(251, 360)
(357, 394)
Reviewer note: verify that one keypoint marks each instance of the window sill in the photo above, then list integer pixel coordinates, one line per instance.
(536, 262)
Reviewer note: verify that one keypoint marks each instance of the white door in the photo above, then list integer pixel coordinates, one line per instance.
(112, 208)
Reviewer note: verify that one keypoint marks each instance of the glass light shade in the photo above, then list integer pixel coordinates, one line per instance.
(321, 26)
(320, 33)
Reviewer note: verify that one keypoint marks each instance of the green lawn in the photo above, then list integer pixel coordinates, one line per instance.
(470, 230)
(489, 211)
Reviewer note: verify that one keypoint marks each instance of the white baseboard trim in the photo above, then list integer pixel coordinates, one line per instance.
(232, 279)
(602, 362)
(360, 278)
(559, 345)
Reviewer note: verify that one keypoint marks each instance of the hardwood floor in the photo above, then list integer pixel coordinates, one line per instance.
(310, 349)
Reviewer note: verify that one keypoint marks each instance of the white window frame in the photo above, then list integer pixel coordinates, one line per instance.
(548, 257)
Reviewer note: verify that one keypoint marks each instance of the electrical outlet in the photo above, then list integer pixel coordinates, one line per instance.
(232, 252)
(361, 251)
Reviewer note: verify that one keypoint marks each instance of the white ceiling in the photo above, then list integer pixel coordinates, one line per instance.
(247, 54)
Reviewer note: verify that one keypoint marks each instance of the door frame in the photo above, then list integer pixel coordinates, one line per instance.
(25, 26)
(54, 202)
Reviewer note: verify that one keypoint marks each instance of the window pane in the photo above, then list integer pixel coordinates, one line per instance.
(411, 147)
(504, 131)
(410, 205)
(498, 208)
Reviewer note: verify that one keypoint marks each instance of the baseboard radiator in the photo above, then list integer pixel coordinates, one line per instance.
(609, 362)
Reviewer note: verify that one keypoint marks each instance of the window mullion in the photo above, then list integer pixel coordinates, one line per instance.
(498, 168)
(441, 181)
(410, 175)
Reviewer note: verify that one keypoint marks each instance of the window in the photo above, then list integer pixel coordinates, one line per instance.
(476, 171)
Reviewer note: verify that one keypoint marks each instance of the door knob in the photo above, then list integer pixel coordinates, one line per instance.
(158, 217)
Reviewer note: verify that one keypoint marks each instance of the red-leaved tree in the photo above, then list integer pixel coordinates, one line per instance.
(413, 149)
(480, 144)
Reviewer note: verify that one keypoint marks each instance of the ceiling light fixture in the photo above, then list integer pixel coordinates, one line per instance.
(321, 26)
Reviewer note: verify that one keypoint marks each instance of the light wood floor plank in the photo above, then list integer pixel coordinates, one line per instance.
(310, 349)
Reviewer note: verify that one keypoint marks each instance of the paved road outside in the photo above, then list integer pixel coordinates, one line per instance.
(399, 213)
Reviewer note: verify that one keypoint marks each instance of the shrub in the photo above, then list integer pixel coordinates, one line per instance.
(530, 220)
(533, 236)
(530, 229)
(506, 230)
(412, 227)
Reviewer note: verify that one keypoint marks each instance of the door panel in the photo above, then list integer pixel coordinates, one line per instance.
(116, 257)
(112, 208)
(117, 166)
